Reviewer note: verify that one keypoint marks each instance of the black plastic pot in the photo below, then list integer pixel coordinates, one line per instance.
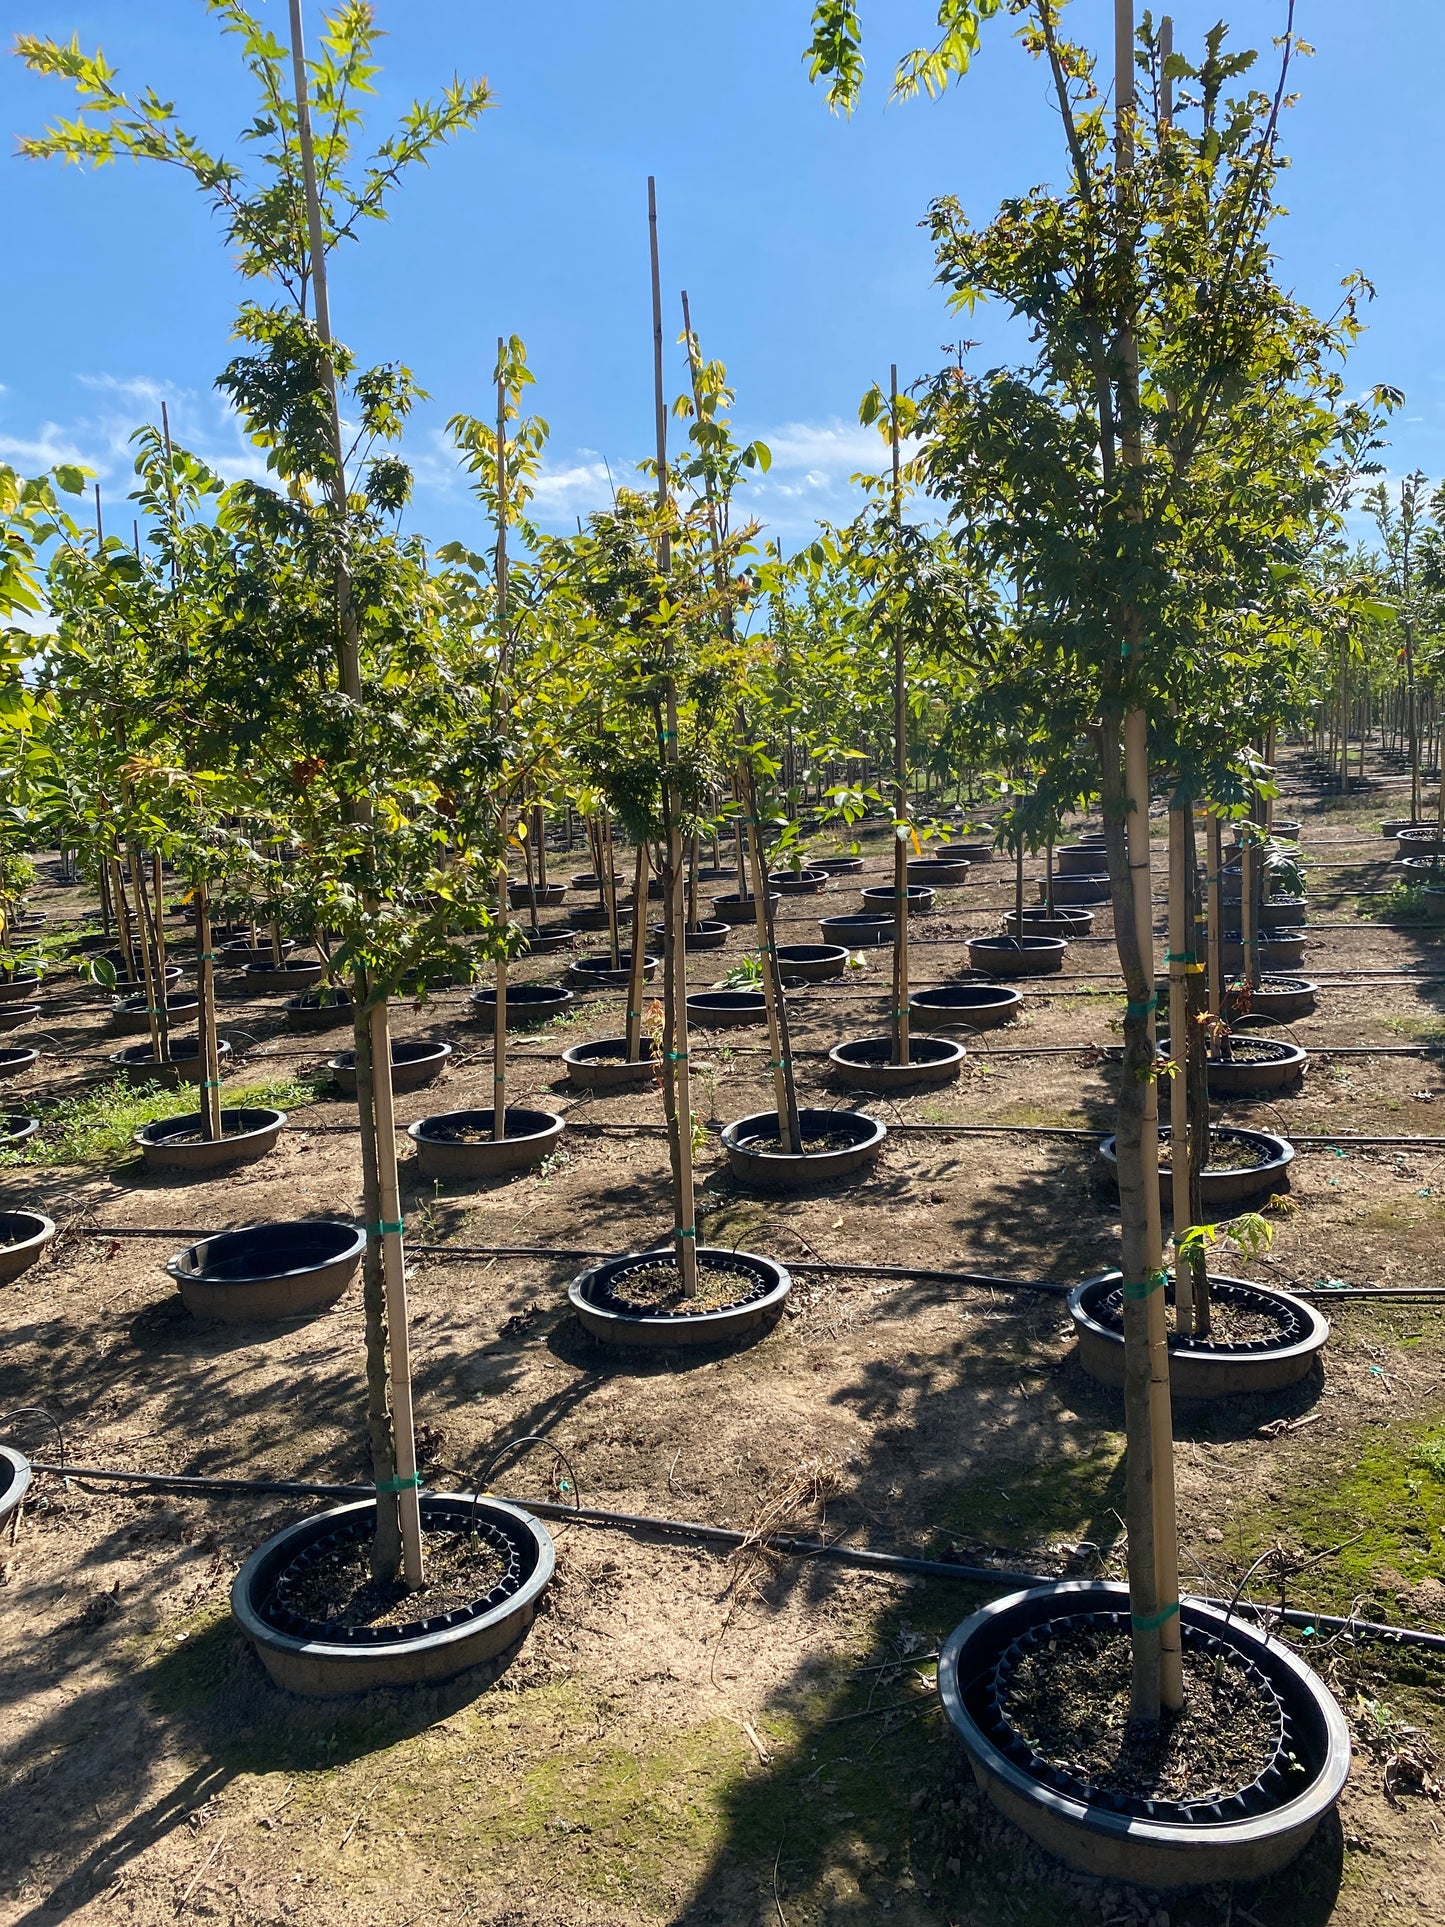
(812, 963)
(14, 1480)
(264, 977)
(137, 1063)
(1078, 859)
(881, 900)
(318, 1010)
(546, 938)
(1027, 956)
(415, 1063)
(589, 880)
(857, 932)
(979, 1006)
(137, 979)
(1281, 950)
(799, 883)
(736, 910)
(1268, 1064)
(721, 873)
(1282, 913)
(837, 866)
(1038, 922)
(1426, 840)
(1151, 1844)
(1221, 1185)
(263, 1271)
(709, 935)
(16, 1129)
(603, 1065)
(16, 1016)
(539, 896)
(527, 1004)
(240, 956)
(593, 916)
(1080, 888)
(864, 1063)
(325, 1662)
(246, 1135)
(938, 872)
(13, 1062)
(1203, 1367)
(974, 848)
(23, 1237)
(766, 1170)
(597, 973)
(19, 988)
(130, 1016)
(726, 1009)
(531, 1137)
(599, 1298)
(1391, 830)
(1283, 999)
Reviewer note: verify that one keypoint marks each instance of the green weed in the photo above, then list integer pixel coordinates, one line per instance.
(97, 1127)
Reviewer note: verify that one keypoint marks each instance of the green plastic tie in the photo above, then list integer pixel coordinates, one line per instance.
(1151, 1622)
(381, 1230)
(678, 1232)
(210, 1084)
(1133, 1009)
(403, 1482)
(1137, 1289)
(783, 1064)
(1180, 956)
(677, 1057)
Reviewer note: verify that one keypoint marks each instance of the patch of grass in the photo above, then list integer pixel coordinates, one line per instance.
(97, 1126)
(1401, 903)
(1071, 1497)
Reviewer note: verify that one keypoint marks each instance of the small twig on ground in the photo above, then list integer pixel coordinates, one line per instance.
(196, 1876)
(357, 1816)
(782, 1917)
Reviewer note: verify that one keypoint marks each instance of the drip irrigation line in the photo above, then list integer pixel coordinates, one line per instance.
(791, 1547)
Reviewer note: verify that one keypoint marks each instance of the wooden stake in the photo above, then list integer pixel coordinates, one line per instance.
(206, 1017)
(635, 977)
(785, 1086)
(504, 902)
(1180, 957)
(901, 1044)
(1214, 890)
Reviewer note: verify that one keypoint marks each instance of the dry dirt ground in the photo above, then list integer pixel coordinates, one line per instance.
(688, 1737)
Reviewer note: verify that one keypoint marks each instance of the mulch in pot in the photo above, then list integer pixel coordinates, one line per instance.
(334, 1585)
(656, 1289)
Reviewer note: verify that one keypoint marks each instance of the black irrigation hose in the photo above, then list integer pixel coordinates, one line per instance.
(860, 1556)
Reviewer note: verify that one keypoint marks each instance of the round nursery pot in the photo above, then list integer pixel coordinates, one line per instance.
(16, 1129)
(603, 1065)
(415, 1063)
(590, 880)
(1420, 869)
(130, 1016)
(736, 910)
(857, 932)
(1284, 998)
(23, 1236)
(1238, 1834)
(1038, 922)
(726, 1009)
(849, 1141)
(266, 977)
(597, 973)
(1225, 1184)
(593, 916)
(526, 1004)
(939, 872)
(1422, 840)
(1391, 830)
(13, 1016)
(318, 1010)
(536, 896)
(240, 956)
(746, 1307)
(979, 1006)
(837, 866)
(14, 1480)
(546, 938)
(13, 1062)
(974, 849)
(1092, 887)
(1079, 859)
(137, 1063)
(709, 935)
(721, 873)
(1027, 956)
(882, 899)
(325, 1658)
(459, 1144)
(176, 1143)
(286, 1270)
(1283, 950)
(1256, 1065)
(137, 976)
(1287, 828)
(17, 989)
(1282, 913)
(812, 963)
(798, 883)
(1275, 1341)
(864, 1063)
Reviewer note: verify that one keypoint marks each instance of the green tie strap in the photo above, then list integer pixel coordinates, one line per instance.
(403, 1482)
(1151, 1622)
(1138, 1289)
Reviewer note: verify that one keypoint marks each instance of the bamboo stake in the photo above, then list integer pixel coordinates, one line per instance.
(675, 948)
(609, 889)
(373, 1035)
(211, 1128)
(499, 1010)
(1214, 890)
(901, 1045)
(123, 922)
(1180, 962)
(785, 1090)
(155, 1015)
(635, 977)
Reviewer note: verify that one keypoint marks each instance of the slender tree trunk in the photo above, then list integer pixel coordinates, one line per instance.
(206, 1017)
(635, 977)
(1181, 961)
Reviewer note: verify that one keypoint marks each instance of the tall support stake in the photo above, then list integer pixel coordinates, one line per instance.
(1181, 962)
(901, 1047)
(679, 1075)
(1214, 911)
(206, 1017)
(372, 1027)
(635, 975)
(499, 1009)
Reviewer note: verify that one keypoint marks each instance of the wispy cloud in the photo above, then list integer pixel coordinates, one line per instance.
(98, 437)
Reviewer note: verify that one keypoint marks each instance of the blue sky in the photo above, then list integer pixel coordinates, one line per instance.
(796, 234)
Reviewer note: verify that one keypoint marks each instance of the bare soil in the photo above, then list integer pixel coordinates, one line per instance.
(687, 1736)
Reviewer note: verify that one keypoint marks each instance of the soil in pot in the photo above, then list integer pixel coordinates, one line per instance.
(604, 1064)
(798, 883)
(655, 1290)
(526, 1004)
(866, 1063)
(333, 1587)
(709, 935)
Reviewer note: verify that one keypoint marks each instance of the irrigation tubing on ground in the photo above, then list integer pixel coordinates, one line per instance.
(789, 1546)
